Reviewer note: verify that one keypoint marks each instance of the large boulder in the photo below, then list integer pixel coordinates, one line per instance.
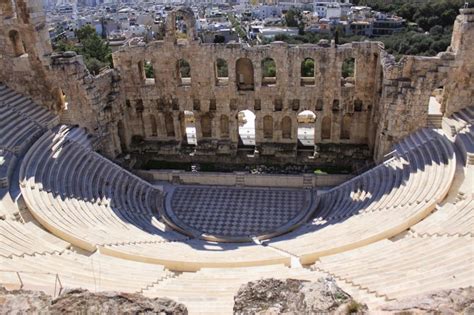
(455, 301)
(79, 301)
(272, 296)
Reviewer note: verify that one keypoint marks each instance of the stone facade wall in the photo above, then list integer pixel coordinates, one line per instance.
(127, 112)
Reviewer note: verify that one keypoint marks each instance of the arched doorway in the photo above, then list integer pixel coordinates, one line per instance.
(246, 123)
(190, 127)
(306, 128)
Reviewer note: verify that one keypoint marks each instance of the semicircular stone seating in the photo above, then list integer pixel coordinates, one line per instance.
(386, 234)
(89, 201)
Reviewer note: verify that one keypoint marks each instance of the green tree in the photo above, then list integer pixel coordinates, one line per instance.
(95, 50)
(292, 18)
(85, 32)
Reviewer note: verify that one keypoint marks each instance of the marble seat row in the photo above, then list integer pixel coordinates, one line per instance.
(450, 219)
(88, 199)
(405, 267)
(26, 108)
(49, 272)
(378, 204)
(18, 239)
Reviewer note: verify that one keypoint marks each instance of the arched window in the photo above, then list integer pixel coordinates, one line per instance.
(147, 72)
(153, 126)
(169, 125)
(184, 72)
(268, 127)
(222, 72)
(326, 128)
(348, 70)
(206, 126)
(16, 42)
(307, 72)
(268, 72)
(244, 74)
(346, 127)
(286, 127)
(224, 126)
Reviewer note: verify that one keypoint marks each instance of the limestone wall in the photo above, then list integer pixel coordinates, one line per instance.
(166, 98)
(125, 111)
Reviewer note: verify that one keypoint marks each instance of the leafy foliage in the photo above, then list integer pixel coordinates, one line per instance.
(222, 69)
(268, 68)
(96, 52)
(307, 68)
(149, 71)
(184, 68)
(348, 68)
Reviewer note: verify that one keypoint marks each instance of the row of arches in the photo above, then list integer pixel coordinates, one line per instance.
(244, 72)
(246, 127)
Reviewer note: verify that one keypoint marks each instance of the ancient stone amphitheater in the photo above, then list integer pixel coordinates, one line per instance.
(71, 217)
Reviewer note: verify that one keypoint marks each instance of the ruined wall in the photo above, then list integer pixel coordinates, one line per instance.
(24, 49)
(166, 96)
(409, 83)
(93, 102)
(60, 82)
(128, 112)
(460, 87)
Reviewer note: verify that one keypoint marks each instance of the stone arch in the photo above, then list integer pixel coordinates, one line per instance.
(184, 72)
(269, 71)
(348, 69)
(153, 126)
(224, 126)
(122, 136)
(16, 42)
(169, 125)
(189, 127)
(307, 72)
(346, 127)
(183, 18)
(221, 71)
(286, 127)
(326, 128)
(206, 126)
(246, 126)
(244, 74)
(268, 127)
(306, 128)
(436, 101)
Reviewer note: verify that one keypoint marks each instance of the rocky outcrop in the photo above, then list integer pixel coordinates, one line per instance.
(456, 301)
(23, 302)
(80, 301)
(271, 296)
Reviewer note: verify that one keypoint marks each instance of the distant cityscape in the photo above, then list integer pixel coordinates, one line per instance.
(218, 21)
